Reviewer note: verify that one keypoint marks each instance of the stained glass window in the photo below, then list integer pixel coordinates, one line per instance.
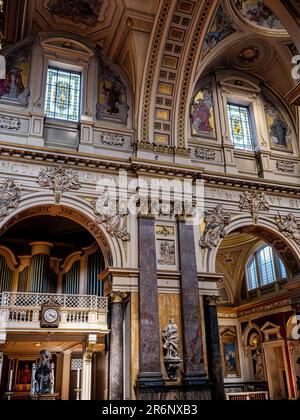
(265, 268)
(63, 94)
(240, 126)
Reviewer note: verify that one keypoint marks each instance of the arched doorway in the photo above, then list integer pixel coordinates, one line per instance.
(257, 264)
(52, 256)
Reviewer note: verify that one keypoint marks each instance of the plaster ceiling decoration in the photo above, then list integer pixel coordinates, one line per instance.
(251, 54)
(79, 11)
(257, 16)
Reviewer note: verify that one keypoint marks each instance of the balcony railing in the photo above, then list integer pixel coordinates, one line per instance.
(78, 312)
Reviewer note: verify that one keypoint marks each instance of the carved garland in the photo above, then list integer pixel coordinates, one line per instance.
(188, 73)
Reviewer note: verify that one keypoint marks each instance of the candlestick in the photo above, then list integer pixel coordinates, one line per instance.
(11, 374)
(78, 378)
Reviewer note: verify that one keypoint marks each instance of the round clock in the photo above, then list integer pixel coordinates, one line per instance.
(51, 315)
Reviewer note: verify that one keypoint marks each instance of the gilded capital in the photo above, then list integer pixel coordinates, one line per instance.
(118, 297)
(213, 300)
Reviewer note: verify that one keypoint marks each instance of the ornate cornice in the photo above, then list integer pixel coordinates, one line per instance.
(31, 154)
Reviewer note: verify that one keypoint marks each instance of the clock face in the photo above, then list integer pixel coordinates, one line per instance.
(51, 315)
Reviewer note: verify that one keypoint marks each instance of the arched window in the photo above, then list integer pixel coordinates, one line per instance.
(264, 268)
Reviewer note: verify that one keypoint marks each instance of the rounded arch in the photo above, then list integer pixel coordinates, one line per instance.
(267, 230)
(71, 208)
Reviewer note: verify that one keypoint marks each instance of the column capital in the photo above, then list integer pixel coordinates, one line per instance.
(118, 297)
(213, 300)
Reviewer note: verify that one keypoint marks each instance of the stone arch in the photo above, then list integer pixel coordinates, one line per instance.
(267, 230)
(72, 208)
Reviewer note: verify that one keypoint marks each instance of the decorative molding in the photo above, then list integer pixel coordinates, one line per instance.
(164, 149)
(139, 24)
(10, 123)
(105, 209)
(151, 68)
(254, 202)
(205, 154)
(285, 166)
(170, 336)
(59, 180)
(112, 139)
(10, 196)
(265, 308)
(215, 223)
(288, 226)
(188, 70)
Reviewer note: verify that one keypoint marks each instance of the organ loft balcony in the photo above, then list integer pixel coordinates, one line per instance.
(65, 313)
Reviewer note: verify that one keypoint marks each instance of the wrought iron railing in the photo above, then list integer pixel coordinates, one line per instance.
(36, 300)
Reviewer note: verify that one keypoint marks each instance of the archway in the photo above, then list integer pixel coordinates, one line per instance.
(54, 255)
(257, 263)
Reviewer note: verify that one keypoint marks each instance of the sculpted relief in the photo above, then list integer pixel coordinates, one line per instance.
(10, 195)
(288, 226)
(215, 224)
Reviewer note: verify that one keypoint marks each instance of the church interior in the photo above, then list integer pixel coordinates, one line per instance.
(113, 112)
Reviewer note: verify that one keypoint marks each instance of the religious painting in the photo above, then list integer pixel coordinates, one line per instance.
(23, 375)
(202, 113)
(220, 29)
(280, 134)
(15, 88)
(258, 14)
(79, 11)
(230, 350)
(112, 104)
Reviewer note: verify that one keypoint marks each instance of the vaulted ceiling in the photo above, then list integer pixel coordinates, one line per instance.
(159, 45)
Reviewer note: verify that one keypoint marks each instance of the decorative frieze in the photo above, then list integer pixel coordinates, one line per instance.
(288, 226)
(112, 139)
(205, 154)
(59, 180)
(9, 123)
(10, 195)
(254, 202)
(105, 209)
(285, 166)
(215, 223)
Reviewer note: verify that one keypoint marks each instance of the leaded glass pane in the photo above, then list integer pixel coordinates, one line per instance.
(282, 270)
(63, 94)
(266, 266)
(252, 276)
(240, 126)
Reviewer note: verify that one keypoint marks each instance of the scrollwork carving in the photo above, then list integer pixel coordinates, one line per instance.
(254, 202)
(105, 209)
(10, 195)
(288, 226)
(215, 223)
(59, 180)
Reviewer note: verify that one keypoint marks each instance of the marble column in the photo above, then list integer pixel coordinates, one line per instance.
(116, 350)
(65, 387)
(86, 374)
(190, 307)
(149, 334)
(214, 355)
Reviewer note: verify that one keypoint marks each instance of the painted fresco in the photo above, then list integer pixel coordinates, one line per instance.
(279, 131)
(202, 113)
(257, 13)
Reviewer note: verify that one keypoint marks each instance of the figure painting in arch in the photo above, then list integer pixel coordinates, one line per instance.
(258, 14)
(203, 118)
(280, 133)
(112, 104)
(230, 352)
(220, 29)
(15, 87)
